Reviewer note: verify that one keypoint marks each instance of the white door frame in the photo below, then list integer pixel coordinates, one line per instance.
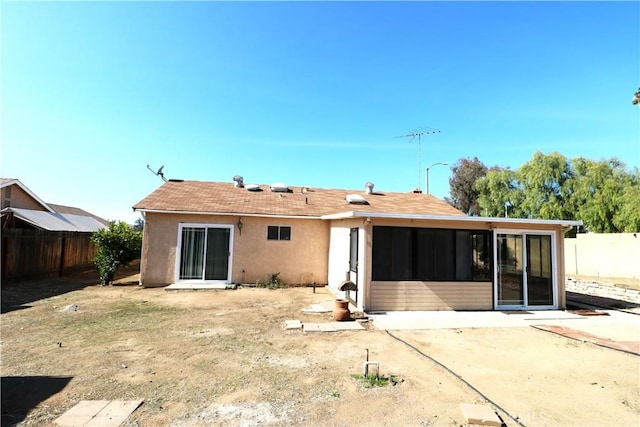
(230, 227)
(554, 267)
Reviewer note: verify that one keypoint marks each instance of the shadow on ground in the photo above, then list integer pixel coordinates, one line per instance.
(18, 295)
(21, 394)
(600, 301)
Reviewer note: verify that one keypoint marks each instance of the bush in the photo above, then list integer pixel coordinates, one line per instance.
(117, 245)
(373, 380)
(273, 282)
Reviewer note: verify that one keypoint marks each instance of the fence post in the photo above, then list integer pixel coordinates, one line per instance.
(62, 255)
(4, 251)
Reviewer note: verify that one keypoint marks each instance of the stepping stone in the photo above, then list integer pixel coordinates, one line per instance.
(480, 415)
(327, 327)
(347, 326)
(292, 324)
(82, 413)
(103, 413)
(311, 327)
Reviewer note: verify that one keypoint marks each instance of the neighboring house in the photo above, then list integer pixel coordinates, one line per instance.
(15, 194)
(41, 239)
(70, 210)
(401, 251)
(21, 208)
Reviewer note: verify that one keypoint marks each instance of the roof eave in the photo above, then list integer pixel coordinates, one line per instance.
(29, 192)
(245, 214)
(380, 215)
(459, 218)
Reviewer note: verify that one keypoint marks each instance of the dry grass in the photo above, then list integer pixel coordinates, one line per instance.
(224, 358)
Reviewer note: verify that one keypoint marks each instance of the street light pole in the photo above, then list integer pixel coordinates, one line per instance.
(427, 174)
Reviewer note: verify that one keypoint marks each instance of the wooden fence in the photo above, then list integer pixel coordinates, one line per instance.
(33, 254)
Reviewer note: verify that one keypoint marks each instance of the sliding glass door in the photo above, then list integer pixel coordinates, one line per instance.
(524, 270)
(539, 277)
(204, 253)
(510, 267)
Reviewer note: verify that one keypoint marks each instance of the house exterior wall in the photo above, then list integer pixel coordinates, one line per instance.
(15, 197)
(318, 252)
(338, 257)
(339, 253)
(301, 260)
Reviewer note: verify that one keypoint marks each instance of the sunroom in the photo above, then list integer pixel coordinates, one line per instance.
(425, 262)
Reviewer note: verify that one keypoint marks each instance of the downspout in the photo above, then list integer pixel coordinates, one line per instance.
(494, 266)
(142, 251)
(565, 229)
(366, 264)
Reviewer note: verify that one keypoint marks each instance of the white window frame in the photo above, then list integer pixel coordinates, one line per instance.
(554, 269)
(181, 225)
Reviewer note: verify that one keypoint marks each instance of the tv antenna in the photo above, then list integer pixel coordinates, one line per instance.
(158, 172)
(417, 133)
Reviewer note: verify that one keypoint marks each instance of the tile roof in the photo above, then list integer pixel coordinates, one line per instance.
(220, 197)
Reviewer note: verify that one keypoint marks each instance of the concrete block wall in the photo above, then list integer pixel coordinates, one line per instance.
(605, 290)
(603, 255)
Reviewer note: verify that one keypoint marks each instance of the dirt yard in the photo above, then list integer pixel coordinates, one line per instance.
(224, 358)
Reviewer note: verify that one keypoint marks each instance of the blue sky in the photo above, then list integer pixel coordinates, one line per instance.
(306, 93)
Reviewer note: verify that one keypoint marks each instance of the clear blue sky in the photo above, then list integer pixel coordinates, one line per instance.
(306, 93)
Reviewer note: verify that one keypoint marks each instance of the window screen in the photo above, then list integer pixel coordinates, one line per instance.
(404, 253)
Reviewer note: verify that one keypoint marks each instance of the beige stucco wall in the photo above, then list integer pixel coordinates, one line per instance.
(19, 199)
(306, 258)
(603, 255)
(301, 260)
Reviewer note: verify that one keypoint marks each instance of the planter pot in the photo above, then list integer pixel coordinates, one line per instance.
(341, 310)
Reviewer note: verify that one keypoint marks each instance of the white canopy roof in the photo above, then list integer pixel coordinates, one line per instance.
(54, 221)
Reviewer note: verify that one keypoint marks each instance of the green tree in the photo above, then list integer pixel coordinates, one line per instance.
(117, 245)
(546, 182)
(462, 189)
(606, 196)
(627, 217)
(603, 194)
(500, 193)
(138, 224)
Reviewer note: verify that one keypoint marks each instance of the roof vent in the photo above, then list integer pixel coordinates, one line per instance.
(356, 199)
(369, 187)
(279, 187)
(252, 187)
(238, 181)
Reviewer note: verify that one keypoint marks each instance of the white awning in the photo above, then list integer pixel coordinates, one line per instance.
(459, 218)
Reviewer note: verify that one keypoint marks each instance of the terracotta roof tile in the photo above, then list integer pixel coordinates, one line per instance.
(220, 197)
